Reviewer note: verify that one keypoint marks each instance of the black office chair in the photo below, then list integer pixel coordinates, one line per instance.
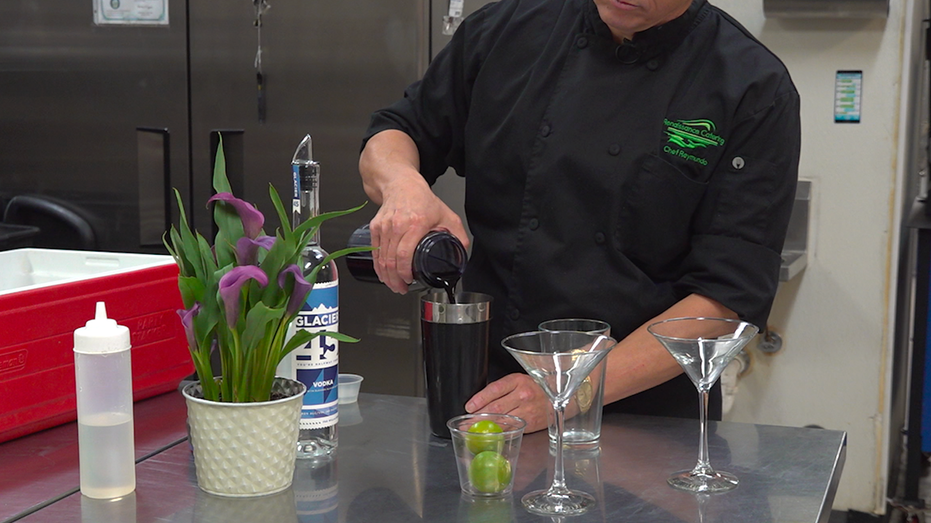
(62, 225)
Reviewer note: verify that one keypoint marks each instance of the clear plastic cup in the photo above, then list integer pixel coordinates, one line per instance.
(487, 461)
(583, 413)
(348, 388)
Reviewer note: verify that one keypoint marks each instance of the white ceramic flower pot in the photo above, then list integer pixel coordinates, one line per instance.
(245, 449)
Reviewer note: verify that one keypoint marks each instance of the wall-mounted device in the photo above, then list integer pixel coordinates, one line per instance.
(795, 250)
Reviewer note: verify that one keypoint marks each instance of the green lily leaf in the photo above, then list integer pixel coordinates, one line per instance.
(257, 320)
(316, 221)
(286, 231)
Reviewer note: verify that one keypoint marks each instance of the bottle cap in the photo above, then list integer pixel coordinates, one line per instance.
(304, 152)
(305, 166)
(101, 335)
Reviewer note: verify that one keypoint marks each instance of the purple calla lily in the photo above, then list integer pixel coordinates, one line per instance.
(252, 218)
(301, 287)
(230, 285)
(247, 249)
(187, 321)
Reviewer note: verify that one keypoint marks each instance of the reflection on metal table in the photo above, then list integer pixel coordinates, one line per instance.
(390, 469)
(41, 468)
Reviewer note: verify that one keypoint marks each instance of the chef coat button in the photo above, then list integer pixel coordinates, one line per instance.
(581, 42)
(533, 224)
(614, 149)
(599, 237)
(545, 130)
(514, 314)
(738, 163)
(653, 64)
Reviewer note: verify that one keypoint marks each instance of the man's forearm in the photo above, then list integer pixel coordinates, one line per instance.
(390, 158)
(640, 362)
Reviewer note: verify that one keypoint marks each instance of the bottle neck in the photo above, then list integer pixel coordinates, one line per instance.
(306, 202)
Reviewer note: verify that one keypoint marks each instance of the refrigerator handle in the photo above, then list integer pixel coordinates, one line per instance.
(261, 6)
(155, 195)
(260, 88)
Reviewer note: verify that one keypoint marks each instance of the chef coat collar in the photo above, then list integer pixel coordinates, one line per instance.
(657, 40)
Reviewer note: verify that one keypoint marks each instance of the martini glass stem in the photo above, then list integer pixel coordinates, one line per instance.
(703, 466)
(559, 473)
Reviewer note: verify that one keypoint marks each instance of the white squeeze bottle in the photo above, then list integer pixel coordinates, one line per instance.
(103, 375)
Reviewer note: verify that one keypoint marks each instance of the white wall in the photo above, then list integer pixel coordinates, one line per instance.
(835, 317)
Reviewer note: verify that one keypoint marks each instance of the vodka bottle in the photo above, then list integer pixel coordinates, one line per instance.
(316, 364)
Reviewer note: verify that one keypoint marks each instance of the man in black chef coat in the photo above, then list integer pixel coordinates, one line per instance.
(625, 160)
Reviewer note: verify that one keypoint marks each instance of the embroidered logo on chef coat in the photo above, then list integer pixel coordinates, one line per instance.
(687, 137)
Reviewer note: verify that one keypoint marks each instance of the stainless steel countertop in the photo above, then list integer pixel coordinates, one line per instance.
(41, 468)
(389, 469)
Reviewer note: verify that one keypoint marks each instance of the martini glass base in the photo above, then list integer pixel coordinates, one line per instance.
(567, 503)
(705, 483)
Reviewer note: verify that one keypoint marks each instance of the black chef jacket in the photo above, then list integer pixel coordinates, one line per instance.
(610, 181)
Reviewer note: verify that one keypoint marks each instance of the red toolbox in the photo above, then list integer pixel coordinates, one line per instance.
(45, 294)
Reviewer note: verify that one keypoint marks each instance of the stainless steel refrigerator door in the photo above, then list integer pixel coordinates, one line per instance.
(73, 95)
(327, 66)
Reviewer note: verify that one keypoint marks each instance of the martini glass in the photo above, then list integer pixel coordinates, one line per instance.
(558, 361)
(703, 347)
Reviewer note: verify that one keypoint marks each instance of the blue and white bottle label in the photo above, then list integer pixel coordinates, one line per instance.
(296, 193)
(317, 364)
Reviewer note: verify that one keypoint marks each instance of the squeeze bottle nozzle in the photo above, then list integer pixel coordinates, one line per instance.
(101, 334)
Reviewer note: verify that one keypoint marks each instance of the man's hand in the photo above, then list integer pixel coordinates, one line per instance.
(409, 209)
(407, 214)
(517, 395)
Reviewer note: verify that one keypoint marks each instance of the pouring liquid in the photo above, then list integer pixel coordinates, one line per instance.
(449, 285)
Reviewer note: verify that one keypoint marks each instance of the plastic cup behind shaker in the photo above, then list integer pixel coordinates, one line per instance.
(583, 413)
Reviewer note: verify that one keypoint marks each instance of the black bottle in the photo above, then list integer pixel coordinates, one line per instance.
(439, 259)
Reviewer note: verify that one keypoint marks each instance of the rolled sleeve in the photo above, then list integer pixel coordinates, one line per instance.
(741, 225)
(741, 275)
